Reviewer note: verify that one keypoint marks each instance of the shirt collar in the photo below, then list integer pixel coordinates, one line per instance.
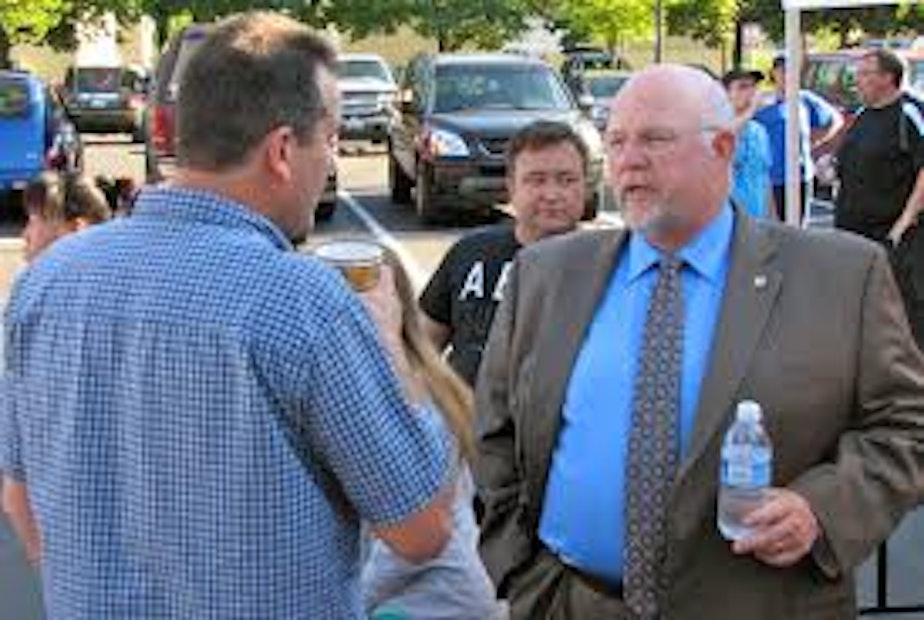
(182, 203)
(705, 253)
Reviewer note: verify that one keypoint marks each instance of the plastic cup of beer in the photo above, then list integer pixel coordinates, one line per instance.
(358, 260)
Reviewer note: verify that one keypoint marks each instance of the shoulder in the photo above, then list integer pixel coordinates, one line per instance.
(489, 236)
(913, 109)
(823, 251)
(576, 249)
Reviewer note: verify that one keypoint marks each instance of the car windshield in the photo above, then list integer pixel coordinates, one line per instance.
(14, 98)
(98, 79)
(364, 69)
(604, 86)
(503, 86)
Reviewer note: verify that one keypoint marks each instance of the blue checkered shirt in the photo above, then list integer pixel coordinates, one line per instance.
(203, 417)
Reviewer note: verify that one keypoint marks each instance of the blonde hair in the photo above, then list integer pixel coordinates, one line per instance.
(450, 393)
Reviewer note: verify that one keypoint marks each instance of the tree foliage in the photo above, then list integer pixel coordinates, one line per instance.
(610, 21)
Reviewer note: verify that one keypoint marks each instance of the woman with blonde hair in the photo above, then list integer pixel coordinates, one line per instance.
(454, 585)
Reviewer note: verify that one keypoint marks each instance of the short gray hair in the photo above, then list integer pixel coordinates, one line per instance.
(255, 72)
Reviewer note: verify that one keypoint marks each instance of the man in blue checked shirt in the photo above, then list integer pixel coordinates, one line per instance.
(202, 416)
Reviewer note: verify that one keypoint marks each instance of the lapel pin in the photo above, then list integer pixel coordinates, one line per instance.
(760, 281)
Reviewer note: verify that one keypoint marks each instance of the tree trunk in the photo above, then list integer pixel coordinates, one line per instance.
(5, 49)
(738, 49)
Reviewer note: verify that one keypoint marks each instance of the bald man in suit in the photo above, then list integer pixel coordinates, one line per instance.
(810, 325)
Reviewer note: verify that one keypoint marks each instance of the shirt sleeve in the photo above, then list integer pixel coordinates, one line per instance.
(348, 410)
(821, 113)
(914, 125)
(10, 437)
(436, 299)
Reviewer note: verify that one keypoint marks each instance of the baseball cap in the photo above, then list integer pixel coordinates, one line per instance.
(741, 74)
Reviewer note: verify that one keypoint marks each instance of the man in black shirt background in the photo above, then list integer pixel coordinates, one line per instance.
(879, 165)
(546, 171)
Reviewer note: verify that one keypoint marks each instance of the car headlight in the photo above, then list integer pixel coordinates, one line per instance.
(591, 138)
(600, 113)
(442, 143)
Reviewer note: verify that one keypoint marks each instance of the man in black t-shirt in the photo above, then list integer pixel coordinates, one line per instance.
(546, 169)
(880, 165)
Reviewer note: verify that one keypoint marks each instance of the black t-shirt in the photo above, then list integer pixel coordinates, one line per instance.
(464, 293)
(878, 165)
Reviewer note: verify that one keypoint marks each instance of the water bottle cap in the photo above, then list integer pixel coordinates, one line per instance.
(748, 411)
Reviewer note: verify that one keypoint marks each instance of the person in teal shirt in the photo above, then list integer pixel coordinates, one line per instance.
(751, 167)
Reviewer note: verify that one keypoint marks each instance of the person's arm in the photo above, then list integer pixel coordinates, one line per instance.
(505, 544)
(825, 123)
(877, 473)
(19, 511)
(439, 333)
(436, 301)
(365, 431)
(913, 208)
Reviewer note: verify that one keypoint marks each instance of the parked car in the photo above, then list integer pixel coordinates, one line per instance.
(367, 96)
(106, 99)
(160, 145)
(602, 87)
(35, 132)
(458, 113)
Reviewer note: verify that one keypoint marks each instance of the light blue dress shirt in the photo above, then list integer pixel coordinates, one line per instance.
(582, 517)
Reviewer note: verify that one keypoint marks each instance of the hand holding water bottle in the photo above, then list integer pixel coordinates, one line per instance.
(784, 529)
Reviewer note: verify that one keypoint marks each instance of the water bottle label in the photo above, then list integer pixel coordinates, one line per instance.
(743, 466)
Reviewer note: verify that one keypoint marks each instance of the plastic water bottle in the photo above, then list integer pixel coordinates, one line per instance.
(746, 473)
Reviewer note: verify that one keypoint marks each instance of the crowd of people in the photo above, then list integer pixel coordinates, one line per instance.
(197, 421)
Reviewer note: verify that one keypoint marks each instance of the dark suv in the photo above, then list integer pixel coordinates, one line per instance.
(458, 113)
(159, 152)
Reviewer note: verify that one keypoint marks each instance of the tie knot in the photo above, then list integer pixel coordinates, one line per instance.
(670, 264)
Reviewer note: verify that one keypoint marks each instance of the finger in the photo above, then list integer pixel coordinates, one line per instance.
(776, 508)
(782, 559)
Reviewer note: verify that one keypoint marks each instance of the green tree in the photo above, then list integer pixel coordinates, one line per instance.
(24, 21)
(614, 22)
(710, 21)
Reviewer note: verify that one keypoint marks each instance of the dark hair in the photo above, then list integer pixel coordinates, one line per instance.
(66, 197)
(254, 72)
(543, 134)
(889, 62)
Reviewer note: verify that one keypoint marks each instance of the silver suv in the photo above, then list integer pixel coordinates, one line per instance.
(367, 94)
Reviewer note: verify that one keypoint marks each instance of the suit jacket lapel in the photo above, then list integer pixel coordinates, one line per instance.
(751, 291)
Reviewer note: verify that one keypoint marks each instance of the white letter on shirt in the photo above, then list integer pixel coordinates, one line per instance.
(498, 295)
(474, 282)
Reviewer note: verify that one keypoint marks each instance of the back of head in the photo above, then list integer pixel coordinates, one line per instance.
(254, 72)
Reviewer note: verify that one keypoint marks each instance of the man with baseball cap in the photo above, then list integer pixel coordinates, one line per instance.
(751, 167)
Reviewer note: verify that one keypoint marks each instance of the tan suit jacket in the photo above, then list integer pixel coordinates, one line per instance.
(811, 326)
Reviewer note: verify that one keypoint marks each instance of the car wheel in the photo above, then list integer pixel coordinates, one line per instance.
(400, 184)
(325, 210)
(425, 200)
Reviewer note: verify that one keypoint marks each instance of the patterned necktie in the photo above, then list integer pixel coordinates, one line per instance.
(653, 443)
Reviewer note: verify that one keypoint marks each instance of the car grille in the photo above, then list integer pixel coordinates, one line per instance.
(360, 104)
(495, 146)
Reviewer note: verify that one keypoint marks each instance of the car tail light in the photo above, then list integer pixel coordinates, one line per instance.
(162, 129)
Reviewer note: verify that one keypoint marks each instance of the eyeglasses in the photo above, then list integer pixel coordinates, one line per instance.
(653, 141)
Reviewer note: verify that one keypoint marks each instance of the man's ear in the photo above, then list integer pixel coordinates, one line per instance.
(723, 144)
(278, 150)
(78, 223)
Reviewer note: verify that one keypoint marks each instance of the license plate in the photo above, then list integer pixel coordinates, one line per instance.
(354, 123)
(98, 103)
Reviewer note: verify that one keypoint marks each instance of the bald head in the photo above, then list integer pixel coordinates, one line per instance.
(670, 144)
(694, 95)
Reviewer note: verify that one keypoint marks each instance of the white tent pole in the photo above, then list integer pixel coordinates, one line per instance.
(793, 72)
